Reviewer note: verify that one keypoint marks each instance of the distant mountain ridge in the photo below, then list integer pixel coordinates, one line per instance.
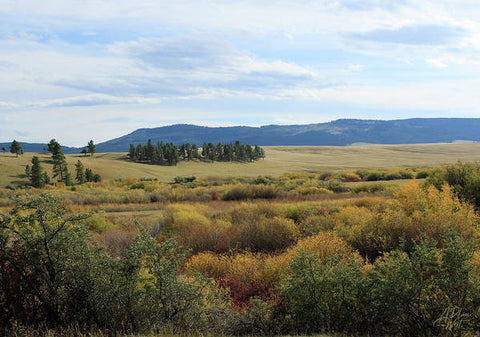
(339, 132)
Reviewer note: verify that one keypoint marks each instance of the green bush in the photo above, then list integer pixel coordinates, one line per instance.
(52, 274)
(463, 177)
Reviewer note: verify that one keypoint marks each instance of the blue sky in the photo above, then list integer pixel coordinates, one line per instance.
(77, 70)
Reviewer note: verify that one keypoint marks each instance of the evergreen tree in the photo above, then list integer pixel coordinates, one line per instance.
(171, 154)
(92, 148)
(37, 177)
(259, 153)
(140, 153)
(88, 175)
(16, 148)
(195, 151)
(211, 152)
(249, 153)
(189, 151)
(60, 168)
(54, 147)
(84, 152)
(4, 149)
(131, 152)
(150, 152)
(68, 179)
(28, 170)
(219, 152)
(80, 173)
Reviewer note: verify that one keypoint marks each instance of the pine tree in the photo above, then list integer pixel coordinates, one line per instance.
(54, 147)
(88, 174)
(91, 147)
(60, 168)
(16, 148)
(131, 152)
(189, 151)
(219, 152)
(80, 173)
(195, 151)
(68, 179)
(37, 177)
(28, 171)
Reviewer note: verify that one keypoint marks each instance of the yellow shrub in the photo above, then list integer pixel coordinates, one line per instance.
(247, 267)
(324, 245)
(268, 234)
(207, 263)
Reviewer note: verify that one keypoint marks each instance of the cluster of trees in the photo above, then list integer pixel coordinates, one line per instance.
(91, 148)
(39, 178)
(169, 154)
(84, 175)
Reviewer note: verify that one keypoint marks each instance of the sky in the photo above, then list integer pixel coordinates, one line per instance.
(77, 70)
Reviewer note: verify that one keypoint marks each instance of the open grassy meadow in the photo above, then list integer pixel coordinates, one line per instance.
(279, 160)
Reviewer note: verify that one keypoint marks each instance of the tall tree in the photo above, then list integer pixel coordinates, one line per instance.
(54, 147)
(38, 178)
(60, 168)
(131, 152)
(80, 173)
(92, 148)
(195, 151)
(16, 148)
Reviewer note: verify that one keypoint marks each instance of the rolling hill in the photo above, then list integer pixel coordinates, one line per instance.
(340, 132)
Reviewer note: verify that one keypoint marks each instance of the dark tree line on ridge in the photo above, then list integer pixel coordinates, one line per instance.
(170, 154)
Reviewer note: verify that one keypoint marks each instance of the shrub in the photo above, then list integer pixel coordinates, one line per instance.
(417, 293)
(412, 215)
(53, 275)
(262, 180)
(348, 177)
(319, 296)
(299, 213)
(312, 190)
(97, 223)
(243, 192)
(369, 188)
(268, 234)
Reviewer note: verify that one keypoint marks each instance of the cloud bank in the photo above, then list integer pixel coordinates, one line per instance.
(108, 67)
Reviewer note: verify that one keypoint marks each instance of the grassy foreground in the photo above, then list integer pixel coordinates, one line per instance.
(279, 160)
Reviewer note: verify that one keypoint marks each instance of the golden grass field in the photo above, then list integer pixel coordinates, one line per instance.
(279, 160)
